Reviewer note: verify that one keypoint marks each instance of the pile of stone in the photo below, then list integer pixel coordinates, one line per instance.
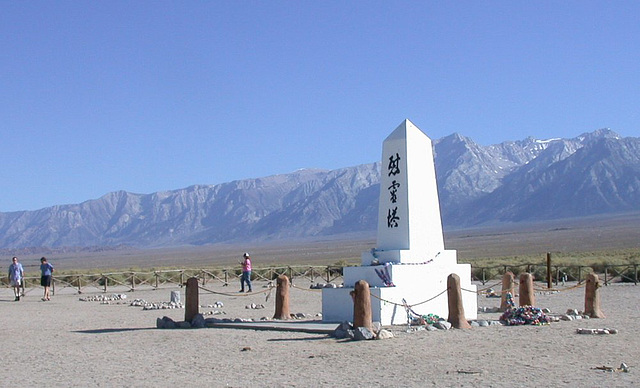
(254, 306)
(346, 331)
(104, 299)
(319, 286)
(216, 305)
(525, 315)
(156, 305)
(198, 322)
(606, 330)
(485, 323)
(213, 312)
(488, 309)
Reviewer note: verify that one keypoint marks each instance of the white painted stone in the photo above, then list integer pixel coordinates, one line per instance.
(409, 241)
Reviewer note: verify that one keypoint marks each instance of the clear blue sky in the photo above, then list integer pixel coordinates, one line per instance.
(145, 96)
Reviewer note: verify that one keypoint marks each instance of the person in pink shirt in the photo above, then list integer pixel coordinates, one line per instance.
(246, 272)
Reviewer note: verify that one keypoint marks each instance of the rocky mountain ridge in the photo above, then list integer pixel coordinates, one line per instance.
(516, 181)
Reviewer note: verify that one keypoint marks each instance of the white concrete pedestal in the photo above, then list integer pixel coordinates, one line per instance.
(414, 282)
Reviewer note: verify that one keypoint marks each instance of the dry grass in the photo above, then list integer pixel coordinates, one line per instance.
(589, 241)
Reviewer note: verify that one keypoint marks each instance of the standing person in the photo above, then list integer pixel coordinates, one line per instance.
(16, 276)
(246, 272)
(46, 270)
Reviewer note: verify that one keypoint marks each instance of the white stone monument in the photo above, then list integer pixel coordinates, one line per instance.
(410, 263)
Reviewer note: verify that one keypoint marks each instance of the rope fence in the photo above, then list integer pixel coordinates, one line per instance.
(102, 282)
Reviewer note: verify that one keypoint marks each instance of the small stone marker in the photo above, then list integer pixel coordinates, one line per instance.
(592, 297)
(527, 297)
(175, 297)
(192, 302)
(456, 309)
(282, 298)
(508, 281)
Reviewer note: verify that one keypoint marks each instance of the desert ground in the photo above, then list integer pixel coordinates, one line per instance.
(71, 343)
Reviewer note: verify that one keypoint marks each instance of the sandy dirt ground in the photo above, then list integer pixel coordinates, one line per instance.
(70, 343)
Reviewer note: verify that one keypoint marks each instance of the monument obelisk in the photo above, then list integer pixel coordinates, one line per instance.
(410, 261)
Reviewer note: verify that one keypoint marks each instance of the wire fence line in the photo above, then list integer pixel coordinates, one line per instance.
(561, 273)
(132, 280)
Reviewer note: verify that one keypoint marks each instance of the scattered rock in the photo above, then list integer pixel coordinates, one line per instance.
(362, 333)
(344, 330)
(489, 309)
(442, 325)
(596, 331)
(165, 323)
(103, 298)
(198, 321)
(384, 334)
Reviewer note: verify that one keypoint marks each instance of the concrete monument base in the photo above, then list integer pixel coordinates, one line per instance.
(413, 282)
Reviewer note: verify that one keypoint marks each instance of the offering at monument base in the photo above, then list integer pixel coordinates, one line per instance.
(409, 266)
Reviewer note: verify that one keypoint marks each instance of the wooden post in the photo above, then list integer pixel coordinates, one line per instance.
(456, 308)
(192, 304)
(155, 274)
(579, 274)
(508, 283)
(104, 280)
(133, 281)
(282, 298)
(226, 278)
(527, 297)
(362, 305)
(549, 277)
(592, 297)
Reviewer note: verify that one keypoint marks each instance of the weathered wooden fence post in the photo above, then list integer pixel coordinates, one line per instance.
(527, 297)
(508, 283)
(456, 308)
(549, 277)
(579, 274)
(362, 305)
(282, 298)
(592, 297)
(192, 303)
(104, 280)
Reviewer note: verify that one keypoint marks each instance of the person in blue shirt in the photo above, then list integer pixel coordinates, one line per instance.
(46, 270)
(16, 276)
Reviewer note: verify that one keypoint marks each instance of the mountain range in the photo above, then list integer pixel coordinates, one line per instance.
(516, 181)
